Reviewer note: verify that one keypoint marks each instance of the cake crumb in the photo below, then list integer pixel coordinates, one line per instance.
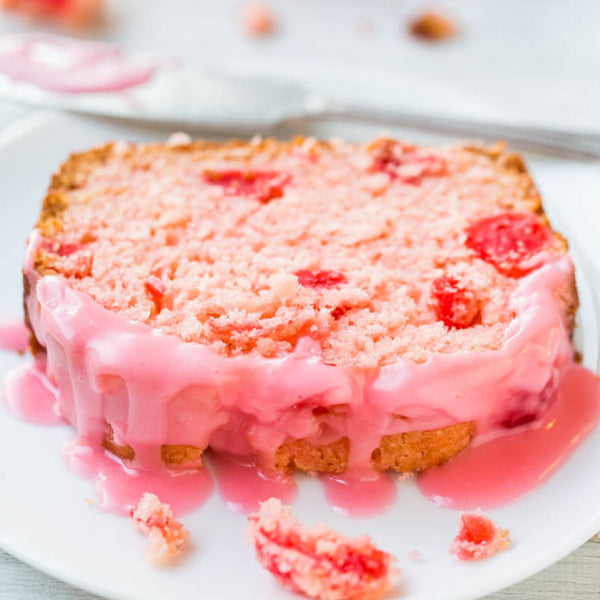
(179, 138)
(318, 562)
(72, 13)
(405, 476)
(365, 27)
(257, 20)
(478, 537)
(167, 537)
(415, 556)
(433, 27)
(90, 501)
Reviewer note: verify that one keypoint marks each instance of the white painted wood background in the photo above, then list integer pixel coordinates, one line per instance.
(510, 55)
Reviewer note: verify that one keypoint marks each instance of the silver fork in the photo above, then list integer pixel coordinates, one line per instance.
(572, 144)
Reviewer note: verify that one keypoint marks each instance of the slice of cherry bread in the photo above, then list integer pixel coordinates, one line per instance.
(319, 306)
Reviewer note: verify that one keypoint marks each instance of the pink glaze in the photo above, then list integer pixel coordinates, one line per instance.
(244, 487)
(359, 496)
(70, 66)
(120, 488)
(109, 369)
(29, 395)
(14, 336)
(504, 469)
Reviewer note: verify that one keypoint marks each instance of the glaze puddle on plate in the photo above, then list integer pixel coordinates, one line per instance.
(487, 475)
(119, 489)
(504, 469)
(243, 486)
(29, 395)
(356, 496)
(14, 336)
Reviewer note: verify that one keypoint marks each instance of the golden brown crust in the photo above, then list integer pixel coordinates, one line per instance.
(510, 165)
(402, 452)
(180, 454)
(123, 452)
(300, 455)
(420, 450)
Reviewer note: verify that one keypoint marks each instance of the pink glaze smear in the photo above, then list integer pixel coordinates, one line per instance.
(29, 395)
(244, 486)
(359, 496)
(70, 66)
(119, 488)
(503, 469)
(14, 336)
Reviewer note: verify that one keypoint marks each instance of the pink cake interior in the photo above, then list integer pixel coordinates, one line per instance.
(366, 249)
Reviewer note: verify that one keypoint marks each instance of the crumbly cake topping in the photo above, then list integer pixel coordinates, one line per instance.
(375, 251)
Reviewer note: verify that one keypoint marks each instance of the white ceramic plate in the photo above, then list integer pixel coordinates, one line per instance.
(45, 520)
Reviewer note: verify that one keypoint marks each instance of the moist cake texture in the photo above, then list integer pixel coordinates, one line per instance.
(247, 249)
(358, 281)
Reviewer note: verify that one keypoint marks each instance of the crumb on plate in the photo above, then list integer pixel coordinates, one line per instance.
(433, 27)
(167, 536)
(318, 562)
(257, 19)
(478, 537)
(415, 556)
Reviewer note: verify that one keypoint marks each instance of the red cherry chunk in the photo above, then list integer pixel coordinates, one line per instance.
(60, 248)
(509, 241)
(263, 186)
(524, 406)
(476, 529)
(339, 311)
(456, 305)
(155, 287)
(478, 538)
(320, 279)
